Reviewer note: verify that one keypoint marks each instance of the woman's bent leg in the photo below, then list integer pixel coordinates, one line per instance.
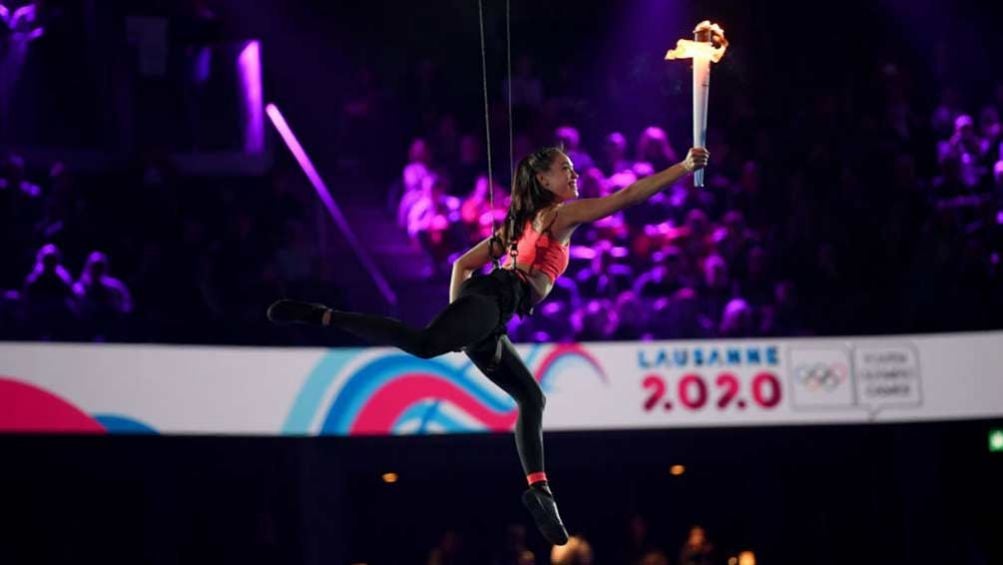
(512, 375)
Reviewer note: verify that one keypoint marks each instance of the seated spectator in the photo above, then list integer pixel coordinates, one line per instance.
(697, 550)
(698, 234)
(603, 277)
(591, 183)
(614, 158)
(595, 321)
(655, 210)
(615, 224)
(715, 290)
(566, 290)
(685, 196)
(632, 318)
(654, 148)
(419, 160)
(679, 317)
(552, 322)
(664, 278)
(103, 301)
(990, 130)
(433, 220)
(570, 139)
(413, 177)
(48, 295)
(476, 213)
(737, 319)
(967, 148)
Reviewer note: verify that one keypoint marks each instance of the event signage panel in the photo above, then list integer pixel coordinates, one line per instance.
(102, 388)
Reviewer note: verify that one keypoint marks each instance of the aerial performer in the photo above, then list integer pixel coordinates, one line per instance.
(534, 241)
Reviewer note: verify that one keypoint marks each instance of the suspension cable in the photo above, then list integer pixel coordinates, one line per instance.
(487, 121)
(487, 133)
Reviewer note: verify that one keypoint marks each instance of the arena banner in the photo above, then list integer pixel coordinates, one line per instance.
(104, 388)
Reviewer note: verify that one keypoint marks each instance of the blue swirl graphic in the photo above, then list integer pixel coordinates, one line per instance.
(116, 424)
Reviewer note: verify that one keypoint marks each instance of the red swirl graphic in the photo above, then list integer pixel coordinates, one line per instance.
(387, 404)
(27, 408)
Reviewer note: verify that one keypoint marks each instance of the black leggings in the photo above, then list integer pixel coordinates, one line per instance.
(469, 323)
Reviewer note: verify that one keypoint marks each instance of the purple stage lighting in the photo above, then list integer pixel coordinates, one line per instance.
(249, 69)
(325, 196)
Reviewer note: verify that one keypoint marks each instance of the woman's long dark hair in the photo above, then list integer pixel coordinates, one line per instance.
(528, 197)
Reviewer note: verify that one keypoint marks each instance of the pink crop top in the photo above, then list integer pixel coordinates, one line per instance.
(542, 253)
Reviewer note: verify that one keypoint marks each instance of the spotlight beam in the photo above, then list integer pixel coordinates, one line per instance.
(325, 196)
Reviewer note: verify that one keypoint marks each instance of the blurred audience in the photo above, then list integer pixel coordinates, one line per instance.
(895, 212)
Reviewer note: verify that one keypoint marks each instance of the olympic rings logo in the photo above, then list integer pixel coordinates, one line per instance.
(821, 376)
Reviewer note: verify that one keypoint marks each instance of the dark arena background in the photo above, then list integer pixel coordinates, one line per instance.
(797, 363)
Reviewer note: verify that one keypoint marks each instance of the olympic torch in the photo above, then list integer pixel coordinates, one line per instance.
(708, 45)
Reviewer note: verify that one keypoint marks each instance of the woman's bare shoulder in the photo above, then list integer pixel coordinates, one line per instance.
(560, 230)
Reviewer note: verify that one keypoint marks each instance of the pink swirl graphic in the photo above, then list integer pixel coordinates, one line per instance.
(385, 407)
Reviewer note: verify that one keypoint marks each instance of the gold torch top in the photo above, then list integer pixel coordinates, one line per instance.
(708, 41)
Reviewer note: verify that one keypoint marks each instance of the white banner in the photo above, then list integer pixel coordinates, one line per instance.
(97, 388)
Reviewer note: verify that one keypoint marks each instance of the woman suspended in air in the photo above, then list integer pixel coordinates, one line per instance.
(543, 214)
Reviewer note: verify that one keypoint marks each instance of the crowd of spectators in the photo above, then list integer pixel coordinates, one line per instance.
(639, 546)
(884, 219)
(854, 213)
(144, 254)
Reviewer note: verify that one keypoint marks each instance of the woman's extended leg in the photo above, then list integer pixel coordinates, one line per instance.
(512, 375)
(468, 319)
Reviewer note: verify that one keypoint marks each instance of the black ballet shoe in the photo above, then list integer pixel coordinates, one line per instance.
(293, 311)
(542, 506)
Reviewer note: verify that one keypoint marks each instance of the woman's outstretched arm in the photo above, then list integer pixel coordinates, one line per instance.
(591, 209)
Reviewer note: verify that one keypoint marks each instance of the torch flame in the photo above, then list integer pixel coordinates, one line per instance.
(689, 49)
